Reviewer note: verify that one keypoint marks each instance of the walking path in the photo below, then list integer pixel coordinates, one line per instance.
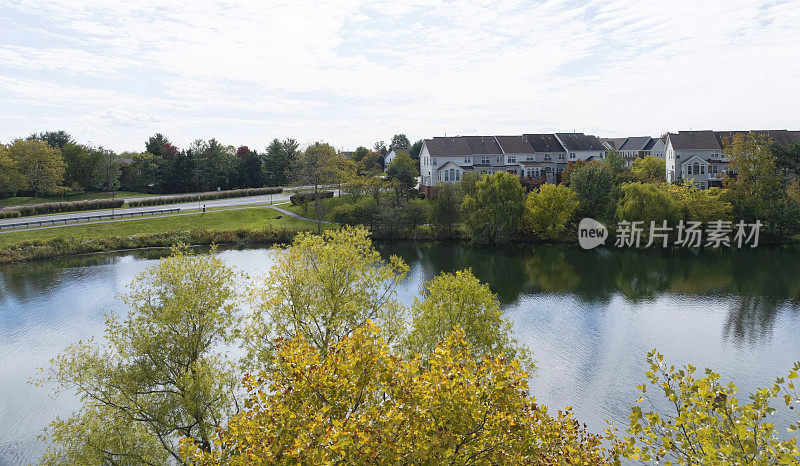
(298, 217)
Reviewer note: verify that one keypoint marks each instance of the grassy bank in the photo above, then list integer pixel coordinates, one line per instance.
(240, 226)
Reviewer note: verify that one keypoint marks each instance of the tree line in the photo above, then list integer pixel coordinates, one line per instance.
(335, 369)
(53, 163)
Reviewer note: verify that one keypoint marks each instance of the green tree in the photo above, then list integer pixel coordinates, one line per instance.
(156, 377)
(403, 169)
(593, 183)
(324, 287)
(107, 170)
(56, 139)
(615, 163)
(80, 165)
(400, 142)
(41, 166)
(549, 210)
(460, 300)
(787, 158)
(757, 188)
(11, 179)
(360, 153)
(317, 167)
(141, 175)
(414, 214)
(155, 144)
(446, 211)
(215, 164)
(494, 213)
(706, 424)
(415, 149)
(649, 170)
(646, 202)
(279, 160)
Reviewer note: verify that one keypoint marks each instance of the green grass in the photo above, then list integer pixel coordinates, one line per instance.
(250, 218)
(82, 197)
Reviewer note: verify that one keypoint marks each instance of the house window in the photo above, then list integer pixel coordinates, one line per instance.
(547, 157)
(485, 160)
(452, 174)
(572, 155)
(696, 168)
(530, 158)
(458, 175)
(702, 185)
(433, 161)
(702, 169)
(561, 156)
(468, 160)
(512, 159)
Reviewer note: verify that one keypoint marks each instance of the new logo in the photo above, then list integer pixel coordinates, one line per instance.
(591, 233)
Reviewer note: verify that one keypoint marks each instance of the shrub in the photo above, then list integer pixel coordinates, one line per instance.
(55, 207)
(211, 195)
(360, 213)
(10, 214)
(302, 198)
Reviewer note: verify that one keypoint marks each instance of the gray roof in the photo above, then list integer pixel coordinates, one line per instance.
(514, 144)
(703, 140)
(615, 143)
(483, 145)
(443, 147)
(579, 141)
(544, 142)
(635, 143)
(780, 136)
(652, 142)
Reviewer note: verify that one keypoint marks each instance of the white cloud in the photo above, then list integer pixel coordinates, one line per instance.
(352, 72)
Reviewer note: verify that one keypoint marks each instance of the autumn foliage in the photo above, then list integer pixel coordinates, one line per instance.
(364, 404)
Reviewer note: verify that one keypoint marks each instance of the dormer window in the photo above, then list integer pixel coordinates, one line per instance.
(485, 160)
(511, 159)
(468, 160)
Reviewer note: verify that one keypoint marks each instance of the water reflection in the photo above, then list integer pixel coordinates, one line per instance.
(756, 284)
(589, 317)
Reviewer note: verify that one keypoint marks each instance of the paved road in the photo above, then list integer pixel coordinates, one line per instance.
(216, 203)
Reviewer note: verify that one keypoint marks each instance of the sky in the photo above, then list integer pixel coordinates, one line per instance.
(352, 72)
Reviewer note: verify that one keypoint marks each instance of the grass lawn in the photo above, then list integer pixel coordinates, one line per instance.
(249, 218)
(82, 197)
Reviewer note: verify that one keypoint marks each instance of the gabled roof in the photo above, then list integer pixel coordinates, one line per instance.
(703, 140)
(444, 147)
(579, 141)
(446, 164)
(653, 142)
(695, 157)
(514, 144)
(544, 142)
(615, 143)
(483, 145)
(636, 143)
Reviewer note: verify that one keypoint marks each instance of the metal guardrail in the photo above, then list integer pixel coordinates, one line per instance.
(88, 218)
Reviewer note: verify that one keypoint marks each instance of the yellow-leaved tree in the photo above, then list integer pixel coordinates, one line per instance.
(361, 404)
(324, 287)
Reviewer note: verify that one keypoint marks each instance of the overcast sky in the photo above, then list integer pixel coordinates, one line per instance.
(352, 72)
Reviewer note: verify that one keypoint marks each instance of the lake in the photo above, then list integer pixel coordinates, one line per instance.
(590, 317)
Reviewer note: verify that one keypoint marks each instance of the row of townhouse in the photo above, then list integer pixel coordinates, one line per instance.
(688, 155)
(636, 147)
(700, 155)
(445, 159)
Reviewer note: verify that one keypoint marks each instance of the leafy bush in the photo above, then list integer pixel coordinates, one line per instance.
(360, 213)
(9, 214)
(54, 207)
(302, 198)
(205, 196)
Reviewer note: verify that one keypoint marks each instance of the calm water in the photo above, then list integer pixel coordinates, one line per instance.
(589, 316)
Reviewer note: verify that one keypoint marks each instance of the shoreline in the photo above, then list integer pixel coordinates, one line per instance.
(36, 250)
